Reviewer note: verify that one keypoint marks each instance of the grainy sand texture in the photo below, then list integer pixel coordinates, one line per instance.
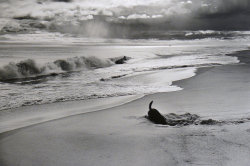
(123, 136)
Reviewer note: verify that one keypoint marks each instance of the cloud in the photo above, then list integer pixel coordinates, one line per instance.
(112, 15)
(225, 8)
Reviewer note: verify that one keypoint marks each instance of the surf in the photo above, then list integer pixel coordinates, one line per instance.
(30, 70)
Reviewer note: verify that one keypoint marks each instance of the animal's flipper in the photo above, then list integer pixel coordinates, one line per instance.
(150, 105)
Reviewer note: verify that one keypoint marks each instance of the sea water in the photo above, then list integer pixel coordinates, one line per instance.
(66, 50)
(47, 67)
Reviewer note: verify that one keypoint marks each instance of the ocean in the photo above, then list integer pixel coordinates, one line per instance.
(78, 79)
(48, 67)
(66, 50)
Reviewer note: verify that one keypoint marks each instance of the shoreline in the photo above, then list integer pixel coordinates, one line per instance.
(18, 118)
(122, 136)
(28, 117)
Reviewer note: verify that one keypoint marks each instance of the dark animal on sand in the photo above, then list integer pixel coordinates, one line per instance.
(155, 116)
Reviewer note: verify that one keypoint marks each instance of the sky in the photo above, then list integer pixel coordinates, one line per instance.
(99, 16)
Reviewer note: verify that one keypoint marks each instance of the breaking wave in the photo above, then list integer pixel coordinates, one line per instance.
(210, 34)
(31, 69)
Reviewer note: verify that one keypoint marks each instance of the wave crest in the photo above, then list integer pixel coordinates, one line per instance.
(30, 69)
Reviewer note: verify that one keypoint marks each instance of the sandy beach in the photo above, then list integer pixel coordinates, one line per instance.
(124, 83)
(121, 135)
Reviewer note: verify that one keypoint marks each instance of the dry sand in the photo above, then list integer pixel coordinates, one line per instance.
(122, 136)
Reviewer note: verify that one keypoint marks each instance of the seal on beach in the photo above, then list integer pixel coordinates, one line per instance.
(155, 116)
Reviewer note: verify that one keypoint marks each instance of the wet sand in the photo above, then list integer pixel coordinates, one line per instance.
(123, 136)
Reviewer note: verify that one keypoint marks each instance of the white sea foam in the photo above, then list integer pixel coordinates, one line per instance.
(30, 69)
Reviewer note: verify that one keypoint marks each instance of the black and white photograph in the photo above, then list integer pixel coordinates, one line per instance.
(124, 82)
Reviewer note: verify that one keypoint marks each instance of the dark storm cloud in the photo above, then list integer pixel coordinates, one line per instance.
(194, 15)
(225, 8)
(204, 14)
(223, 15)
